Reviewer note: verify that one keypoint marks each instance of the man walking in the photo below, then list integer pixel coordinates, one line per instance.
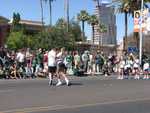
(51, 64)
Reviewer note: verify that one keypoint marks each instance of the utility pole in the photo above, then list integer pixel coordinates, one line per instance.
(67, 13)
(50, 11)
(42, 19)
(141, 34)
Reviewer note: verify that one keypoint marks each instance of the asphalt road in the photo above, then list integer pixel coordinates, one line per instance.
(85, 95)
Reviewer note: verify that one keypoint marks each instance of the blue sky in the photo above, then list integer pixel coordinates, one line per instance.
(30, 9)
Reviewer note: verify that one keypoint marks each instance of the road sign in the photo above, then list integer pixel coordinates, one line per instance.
(132, 49)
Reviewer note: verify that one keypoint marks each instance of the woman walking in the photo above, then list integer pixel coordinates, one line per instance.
(61, 68)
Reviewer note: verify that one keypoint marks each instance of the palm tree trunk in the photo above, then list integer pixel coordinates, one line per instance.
(50, 12)
(126, 31)
(42, 12)
(136, 37)
(93, 33)
(83, 35)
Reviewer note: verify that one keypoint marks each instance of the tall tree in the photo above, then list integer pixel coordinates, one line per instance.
(128, 7)
(125, 8)
(42, 13)
(50, 10)
(16, 18)
(134, 5)
(102, 29)
(75, 30)
(93, 21)
(83, 17)
(15, 23)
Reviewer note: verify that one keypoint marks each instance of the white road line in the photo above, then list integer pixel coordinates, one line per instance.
(33, 109)
(6, 91)
(61, 107)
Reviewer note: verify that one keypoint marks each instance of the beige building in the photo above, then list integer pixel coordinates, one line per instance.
(30, 27)
(108, 18)
(4, 29)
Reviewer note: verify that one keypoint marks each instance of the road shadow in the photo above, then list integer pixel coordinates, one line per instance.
(73, 84)
(76, 84)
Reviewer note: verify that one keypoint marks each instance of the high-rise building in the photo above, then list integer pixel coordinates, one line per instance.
(108, 18)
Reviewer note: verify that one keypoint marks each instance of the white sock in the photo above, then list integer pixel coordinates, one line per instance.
(59, 81)
(67, 81)
(50, 77)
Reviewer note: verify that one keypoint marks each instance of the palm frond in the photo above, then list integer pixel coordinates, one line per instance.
(93, 20)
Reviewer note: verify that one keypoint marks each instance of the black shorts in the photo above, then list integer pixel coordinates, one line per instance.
(61, 67)
(52, 69)
(135, 68)
(146, 70)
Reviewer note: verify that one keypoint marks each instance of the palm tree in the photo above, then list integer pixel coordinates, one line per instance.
(102, 29)
(93, 21)
(125, 8)
(128, 7)
(133, 6)
(83, 17)
(42, 20)
(50, 10)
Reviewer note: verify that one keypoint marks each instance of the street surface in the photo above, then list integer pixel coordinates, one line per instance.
(85, 95)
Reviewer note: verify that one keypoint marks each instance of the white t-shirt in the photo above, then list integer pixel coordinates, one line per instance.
(122, 64)
(136, 63)
(146, 66)
(129, 63)
(91, 59)
(52, 58)
(77, 58)
(60, 57)
(20, 57)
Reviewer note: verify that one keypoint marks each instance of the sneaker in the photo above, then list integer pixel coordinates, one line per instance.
(147, 78)
(121, 78)
(58, 84)
(144, 77)
(68, 83)
(137, 78)
(118, 77)
(106, 75)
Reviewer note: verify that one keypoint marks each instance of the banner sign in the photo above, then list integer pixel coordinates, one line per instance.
(138, 22)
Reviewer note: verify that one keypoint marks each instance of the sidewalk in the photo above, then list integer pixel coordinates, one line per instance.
(71, 77)
(96, 76)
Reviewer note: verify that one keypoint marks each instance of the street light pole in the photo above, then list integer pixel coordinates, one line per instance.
(141, 34)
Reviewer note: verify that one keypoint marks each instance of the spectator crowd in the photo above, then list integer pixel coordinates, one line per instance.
(26, 63)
